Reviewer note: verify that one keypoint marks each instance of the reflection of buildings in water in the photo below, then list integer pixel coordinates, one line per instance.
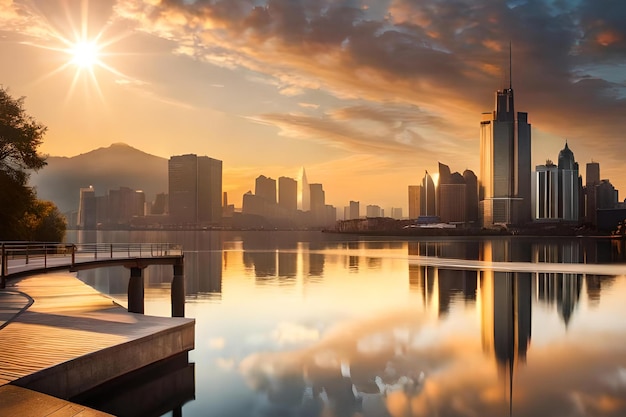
(594, 284)
(454, 284)
(373, 263)
(353, 263)
(287, 264)
(506, 316)
(506, 312)
(316, 264)
(560, 289)
(264, 263)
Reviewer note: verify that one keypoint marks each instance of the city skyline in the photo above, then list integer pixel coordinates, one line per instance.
(367, 96)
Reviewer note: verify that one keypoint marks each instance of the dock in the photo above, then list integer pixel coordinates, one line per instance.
(60, 337)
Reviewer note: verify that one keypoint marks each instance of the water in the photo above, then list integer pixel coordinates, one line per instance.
(312, 324)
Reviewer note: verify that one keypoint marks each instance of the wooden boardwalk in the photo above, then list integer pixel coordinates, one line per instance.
(69, 330)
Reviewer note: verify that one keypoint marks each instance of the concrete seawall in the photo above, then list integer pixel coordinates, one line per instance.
(72, 338)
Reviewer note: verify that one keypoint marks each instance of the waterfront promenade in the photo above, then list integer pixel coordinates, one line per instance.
(61, 337)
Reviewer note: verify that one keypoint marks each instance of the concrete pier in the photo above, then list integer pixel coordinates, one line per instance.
(72, 338)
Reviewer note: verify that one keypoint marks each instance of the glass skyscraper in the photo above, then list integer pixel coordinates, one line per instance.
(505, 164)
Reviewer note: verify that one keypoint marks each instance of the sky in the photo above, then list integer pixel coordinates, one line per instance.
(365, 94)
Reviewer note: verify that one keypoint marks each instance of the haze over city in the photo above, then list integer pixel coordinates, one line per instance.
(365, 94)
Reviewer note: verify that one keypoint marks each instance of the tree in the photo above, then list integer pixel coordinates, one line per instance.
(22, 216)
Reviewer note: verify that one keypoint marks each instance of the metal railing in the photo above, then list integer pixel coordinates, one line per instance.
(21, 257)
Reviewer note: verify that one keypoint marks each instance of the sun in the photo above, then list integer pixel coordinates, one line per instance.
(85, 54)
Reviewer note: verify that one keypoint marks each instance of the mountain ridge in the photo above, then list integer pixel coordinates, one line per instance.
(104, 168)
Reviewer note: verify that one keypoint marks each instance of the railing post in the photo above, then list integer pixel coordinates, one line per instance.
(73, 254)
(95, 251)
(45, 257)
(26, 254)
(111, 251)
(3, 268)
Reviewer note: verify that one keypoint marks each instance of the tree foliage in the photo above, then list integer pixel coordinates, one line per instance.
(22, 216)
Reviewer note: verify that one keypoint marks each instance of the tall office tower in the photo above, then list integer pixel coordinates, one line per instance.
(304, 192)
(606, 195)
(444, 178)
(452, 199)
(505, 171)
(209, 190)
(396, 212)
(354, 210)
(288, 193)
(427, 197)
(506, 310)
(195, 189)
(160, 205)
(545, 192)
(415, 195)
(592, 179)
(568, 185)
(372, 211)
(318, 203)
(265, 188)
(87, 208)
(471, 196)
(346, 212)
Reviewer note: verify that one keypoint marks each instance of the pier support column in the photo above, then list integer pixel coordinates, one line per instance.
(178, 291)
(135, 291)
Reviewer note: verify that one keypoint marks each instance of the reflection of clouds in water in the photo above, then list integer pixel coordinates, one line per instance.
(217, 343)
(293, 333)
(390, 367)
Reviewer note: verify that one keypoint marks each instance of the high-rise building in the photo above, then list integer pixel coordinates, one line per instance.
(592, 179)
(415, 195)
(471, 195)
(318, 204)
(505, 158)
(372, 210)
(288, 194)
(452, 199)
(396, 212)
(427, 197)
(354, 210)
(87, 208)
(569, 185)
(195, 189)
(545, 192)
(304, 192)
(444, 178)
(556, 189)
(265, 188)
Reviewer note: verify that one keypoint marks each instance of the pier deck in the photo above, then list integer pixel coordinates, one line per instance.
(72, 338)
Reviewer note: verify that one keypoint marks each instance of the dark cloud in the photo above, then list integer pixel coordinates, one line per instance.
(447, 58)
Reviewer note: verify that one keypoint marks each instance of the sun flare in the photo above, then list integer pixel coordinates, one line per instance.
(85, 54)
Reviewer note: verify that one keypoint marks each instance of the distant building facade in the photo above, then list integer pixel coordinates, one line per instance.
(415, 195)
(195, 189)
(505, 164)
(87, 208)
(288, 194)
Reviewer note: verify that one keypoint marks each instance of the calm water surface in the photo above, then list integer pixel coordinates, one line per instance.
(312, 324)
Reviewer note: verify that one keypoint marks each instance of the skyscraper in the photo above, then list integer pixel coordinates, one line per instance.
(195, 189)
(545, 191)
(427, 197)
(505, 157)
(265, 188)
(87, 208)
(304, 192)
(415, 193)
(592, 179)
(568, 190)
(354, 210)
(318, 204)
(288, 193)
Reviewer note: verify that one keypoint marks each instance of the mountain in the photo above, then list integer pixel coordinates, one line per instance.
(119, 165)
